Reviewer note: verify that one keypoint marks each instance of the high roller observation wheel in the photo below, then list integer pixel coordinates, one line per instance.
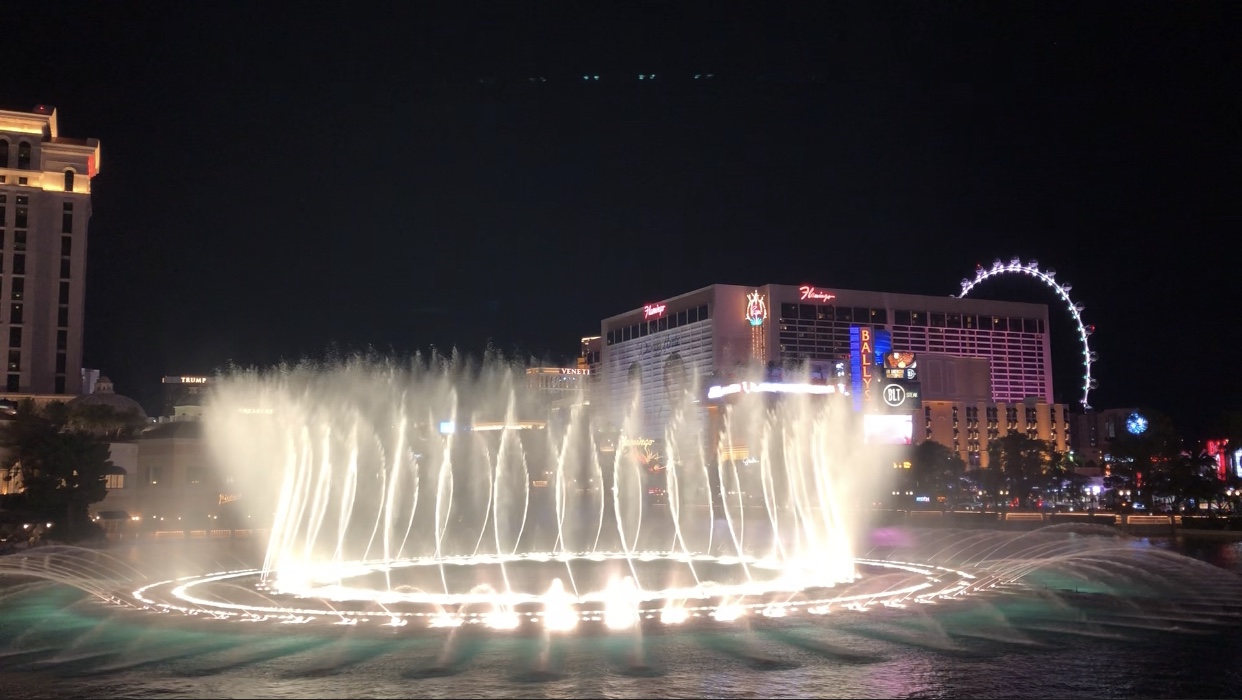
(1031, 269)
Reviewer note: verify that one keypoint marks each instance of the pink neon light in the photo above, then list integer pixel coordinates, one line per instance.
(651, 310)
(809, 292)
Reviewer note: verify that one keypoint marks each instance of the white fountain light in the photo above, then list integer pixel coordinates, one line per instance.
(558, 612)
(447, 497)
(622, 605)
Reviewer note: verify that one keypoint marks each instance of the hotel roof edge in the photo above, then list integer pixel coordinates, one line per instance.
(891, 295)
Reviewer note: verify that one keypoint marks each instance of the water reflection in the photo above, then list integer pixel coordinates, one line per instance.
(1008, 643)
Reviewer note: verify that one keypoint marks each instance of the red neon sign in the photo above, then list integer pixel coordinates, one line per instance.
(813, 294)
(653, 310)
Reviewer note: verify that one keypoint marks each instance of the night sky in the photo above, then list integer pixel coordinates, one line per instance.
(278, 183)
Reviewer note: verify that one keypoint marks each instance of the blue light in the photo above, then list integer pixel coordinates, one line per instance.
(447, 427)
(1136, 424)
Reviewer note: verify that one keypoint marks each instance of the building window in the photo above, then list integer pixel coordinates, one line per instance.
(15, 360)
(23, 156)
(155, 474)
(15, 337)
(15, 313)
(66, 245)
(66, 222)
(22, 215)
(18, 288)
(19, 240)
(4, 153)
(62, 338)
(19, 264)
(64, 268)
(60, 361)
(59, 387)
(68, 180)
(62, 316)
(113, 482)
(64, 293)
(15, 383)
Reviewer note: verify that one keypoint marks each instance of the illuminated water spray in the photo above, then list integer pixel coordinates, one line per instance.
(455, 488)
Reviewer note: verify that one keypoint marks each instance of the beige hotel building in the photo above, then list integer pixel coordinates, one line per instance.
(45, 206)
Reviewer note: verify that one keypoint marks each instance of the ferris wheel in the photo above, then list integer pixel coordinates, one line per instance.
(1031, 269)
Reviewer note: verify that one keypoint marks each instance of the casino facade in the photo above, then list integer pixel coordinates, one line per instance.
(976, 354)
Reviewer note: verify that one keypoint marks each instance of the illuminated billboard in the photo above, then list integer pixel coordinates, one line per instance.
(888, 429)
(862, 362)
(901, 365)
(901, 395)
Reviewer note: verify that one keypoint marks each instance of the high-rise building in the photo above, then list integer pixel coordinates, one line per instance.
(45, 205)
(181, 390)
(719, 335)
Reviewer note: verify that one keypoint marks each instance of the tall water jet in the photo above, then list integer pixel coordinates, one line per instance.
(425, 485)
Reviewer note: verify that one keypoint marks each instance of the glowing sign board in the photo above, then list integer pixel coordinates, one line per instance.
(810, 293)
(901, 365)
(756, 309)
(653, 310)
(883, 345)
(899, 395)
(888, 429)
(862, 363)
(721, 391)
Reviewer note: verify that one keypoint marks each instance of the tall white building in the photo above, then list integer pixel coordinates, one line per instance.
(45, 206)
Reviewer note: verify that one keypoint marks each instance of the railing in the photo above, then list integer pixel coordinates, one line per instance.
(953, 517)
(192, 534)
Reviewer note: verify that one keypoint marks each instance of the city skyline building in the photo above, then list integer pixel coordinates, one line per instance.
(718, 334)
(45, 208)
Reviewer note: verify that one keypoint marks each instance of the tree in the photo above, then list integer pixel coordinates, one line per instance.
(1138, 460)
(102, 421)
(61, 471)
(1061, 477)
(1185, 477)
(1022, 463)
(936, 470)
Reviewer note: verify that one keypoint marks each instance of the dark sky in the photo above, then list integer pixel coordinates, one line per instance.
(275, 182)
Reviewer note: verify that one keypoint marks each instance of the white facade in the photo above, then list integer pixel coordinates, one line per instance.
(45, 205)
(722, 331)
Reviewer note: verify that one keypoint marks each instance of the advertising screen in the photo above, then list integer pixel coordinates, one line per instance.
(901, 365)
(888, 429)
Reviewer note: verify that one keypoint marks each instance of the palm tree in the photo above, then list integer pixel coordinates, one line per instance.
(1021, 462)
(937, 470)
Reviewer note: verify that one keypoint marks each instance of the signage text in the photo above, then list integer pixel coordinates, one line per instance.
(810, 293)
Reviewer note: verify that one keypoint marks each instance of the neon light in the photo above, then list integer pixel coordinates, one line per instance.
(1136, 424)
(862, 359)
(812, 294)
(1015, 266)
(883, 346)
(718, 391)
(653, 310)
(228, 498)
(756, 309)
